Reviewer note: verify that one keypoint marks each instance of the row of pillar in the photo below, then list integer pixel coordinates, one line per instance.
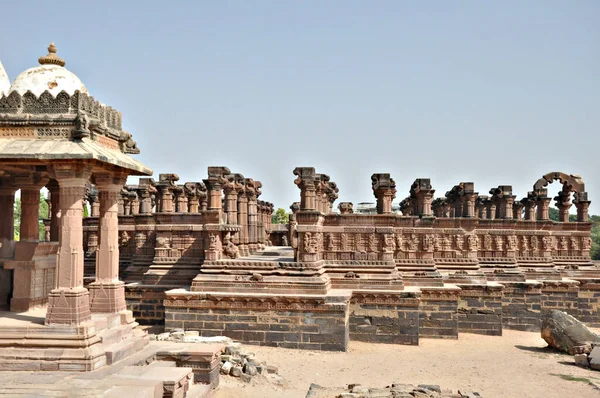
(317, 192)
(69, 302)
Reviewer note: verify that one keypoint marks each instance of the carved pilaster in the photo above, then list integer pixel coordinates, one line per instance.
(165, 186)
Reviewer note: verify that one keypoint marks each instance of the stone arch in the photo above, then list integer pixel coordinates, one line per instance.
(572, 182)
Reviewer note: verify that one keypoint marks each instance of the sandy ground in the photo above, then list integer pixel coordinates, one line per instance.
(518, 364)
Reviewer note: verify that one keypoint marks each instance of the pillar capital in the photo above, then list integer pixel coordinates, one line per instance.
(384, 189)
(346, 207)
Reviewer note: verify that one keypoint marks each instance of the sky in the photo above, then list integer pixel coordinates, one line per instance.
(498, 93)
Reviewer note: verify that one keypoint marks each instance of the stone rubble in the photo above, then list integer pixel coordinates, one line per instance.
(235, 361)
(588, 357)
(396, 390)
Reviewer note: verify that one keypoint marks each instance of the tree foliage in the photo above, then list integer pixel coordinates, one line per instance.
(280, 217)
(43, 214)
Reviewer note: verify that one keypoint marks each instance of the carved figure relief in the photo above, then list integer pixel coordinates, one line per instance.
(524, 243)
(345, 244)
(389, 243)
(229, 248)
(574, 243)
(535, 243)
(310, 243)
(459, 241)
(428, 243)
(413, 243)
(587, 243)
(330, 243)
(372, 243)
(124, 239)
(564, 243)
(487, 243)
(512, 243)
(499, 241)
(472, 241)
(212, 241)
(446, 244)
(400, 242)
(547, 243)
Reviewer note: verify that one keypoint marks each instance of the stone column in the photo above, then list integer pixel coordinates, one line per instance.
(107, 293)
(135, 203)
(543, 205)
(165, 186)
(384, 189)
(69, 302)
(582, 204)
(145, 190)
(470, 205)
(30, 206)
(507, 213)
(54, 207)
(214, 184)
(517, 211)
(7, 217)
(181, 200)
(423, 192)
(243, 220)
(231, 199)
(252, 221)
(307, 182)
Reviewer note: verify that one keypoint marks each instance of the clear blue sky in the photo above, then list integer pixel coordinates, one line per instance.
(495, 92)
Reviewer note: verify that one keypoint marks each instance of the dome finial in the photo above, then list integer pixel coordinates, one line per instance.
(51, 58)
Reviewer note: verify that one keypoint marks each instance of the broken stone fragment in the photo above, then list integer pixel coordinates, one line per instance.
(233, 349)
(581, 360)
(236, 371)
(192, 333)
(272, 369)
(250, 370)
(594, 358)
(245, 377)
(226, 367)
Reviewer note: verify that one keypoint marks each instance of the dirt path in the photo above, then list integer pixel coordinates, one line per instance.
(517, 364)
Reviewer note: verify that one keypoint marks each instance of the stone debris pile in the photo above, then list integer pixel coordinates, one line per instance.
(235, 361)
(588, 357)
(396, 390)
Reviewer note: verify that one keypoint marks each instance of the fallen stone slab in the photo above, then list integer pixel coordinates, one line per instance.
(564, 332)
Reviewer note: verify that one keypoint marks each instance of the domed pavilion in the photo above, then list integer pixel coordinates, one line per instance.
(53, 134)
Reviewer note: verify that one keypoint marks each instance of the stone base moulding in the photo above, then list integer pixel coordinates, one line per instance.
(107, 297)
(316, 322)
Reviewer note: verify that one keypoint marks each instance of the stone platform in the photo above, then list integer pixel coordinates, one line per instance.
(27, 344)
(156, 371)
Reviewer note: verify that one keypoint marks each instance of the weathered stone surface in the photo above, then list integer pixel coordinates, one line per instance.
(581, 360)
(564, 332)
(594, 358)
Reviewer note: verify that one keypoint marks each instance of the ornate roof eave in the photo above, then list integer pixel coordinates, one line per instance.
(42, 150)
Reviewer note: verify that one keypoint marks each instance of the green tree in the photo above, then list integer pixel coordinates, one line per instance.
(595, 251)
(280, 217)
(43, 214)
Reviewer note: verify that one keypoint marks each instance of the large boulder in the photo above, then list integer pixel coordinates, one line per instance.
(563, 332)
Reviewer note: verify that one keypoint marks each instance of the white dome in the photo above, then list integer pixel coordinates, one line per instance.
(4, 81)
(50, 76)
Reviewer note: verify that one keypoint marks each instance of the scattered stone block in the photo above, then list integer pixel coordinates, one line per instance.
(226, 367)
(594, 358)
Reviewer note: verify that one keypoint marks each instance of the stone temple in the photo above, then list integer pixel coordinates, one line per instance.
(205, 255)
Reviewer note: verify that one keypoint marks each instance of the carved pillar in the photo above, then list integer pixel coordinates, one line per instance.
(517, 211)
(422, 190)
(231, 188)
(193, 191)
(384, 189)
(529, 204)
(69, 302)
(7, 216)
(470, 205)
(181, 200)
(243, 218)
(214, 184)
(563, 203)
(543, 205)
(135, 203)
(306, 181)
(582, 204)
(165, 186)
(30, 206)
(107, 293)
(53, 208)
